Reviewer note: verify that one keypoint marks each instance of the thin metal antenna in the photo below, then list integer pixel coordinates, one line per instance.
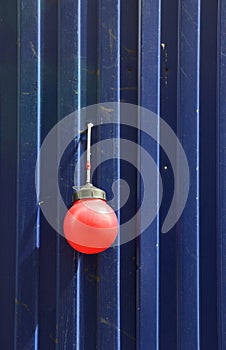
(88, 165)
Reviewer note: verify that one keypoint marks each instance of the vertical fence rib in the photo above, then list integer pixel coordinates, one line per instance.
(148, 247)
(188, 133)
(221, 173)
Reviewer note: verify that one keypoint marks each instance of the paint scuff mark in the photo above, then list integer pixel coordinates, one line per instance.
(127, 88)
(130, 51)
(109, 110)
(112, 38)
(54, 340)
(94, 277)
(184, 73)
(108, 323)
(33, 49)
(92, 72)
(25, 306)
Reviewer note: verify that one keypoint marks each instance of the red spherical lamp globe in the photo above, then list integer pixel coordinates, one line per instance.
(90, 225)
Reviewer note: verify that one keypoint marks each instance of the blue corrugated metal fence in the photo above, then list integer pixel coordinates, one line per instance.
(159, 291)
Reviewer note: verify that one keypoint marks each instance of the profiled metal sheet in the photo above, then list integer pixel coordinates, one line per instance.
(159, 291)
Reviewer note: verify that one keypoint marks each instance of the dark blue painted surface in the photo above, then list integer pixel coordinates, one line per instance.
(148, 243)
(28, 127)
(108, 315)
(221, 173)
(67, 262)
(128, 94)
(168, 242)
(208, 164)
(8, 168)
(48, 239)
(156, 292)
(188, 131)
